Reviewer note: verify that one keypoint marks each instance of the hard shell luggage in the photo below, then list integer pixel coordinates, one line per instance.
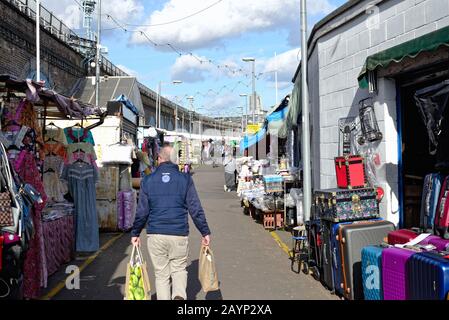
(350, 172)
(439, 243)
(442, 212)
(352, 239)
(372, 272)
(394, 276)
(336, 257)
(340, 205)
(428, 276)
(327, 275)
(401, 236)
(429, 201)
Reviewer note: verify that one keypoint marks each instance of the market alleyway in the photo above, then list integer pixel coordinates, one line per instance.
(250, 263)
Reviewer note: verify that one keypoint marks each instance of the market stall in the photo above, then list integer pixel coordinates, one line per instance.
(270, 186)
(48, 185)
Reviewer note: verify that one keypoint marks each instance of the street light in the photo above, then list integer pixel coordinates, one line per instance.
(241, 108)
(254, 104)
(244, 95)
(159, 102)
(191, 99)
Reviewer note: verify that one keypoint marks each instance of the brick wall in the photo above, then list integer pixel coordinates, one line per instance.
(61, 65)
(340, 56)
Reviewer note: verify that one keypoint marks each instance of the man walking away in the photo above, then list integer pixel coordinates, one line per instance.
(167, 196)
(229, 171)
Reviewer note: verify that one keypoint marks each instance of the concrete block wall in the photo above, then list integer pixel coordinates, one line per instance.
(341, 55)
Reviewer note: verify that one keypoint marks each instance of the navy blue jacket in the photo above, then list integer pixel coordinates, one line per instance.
(166, 198)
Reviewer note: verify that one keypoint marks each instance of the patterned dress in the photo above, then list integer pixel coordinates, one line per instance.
(35, 268)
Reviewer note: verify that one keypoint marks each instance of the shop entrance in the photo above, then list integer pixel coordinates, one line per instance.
(417, 159)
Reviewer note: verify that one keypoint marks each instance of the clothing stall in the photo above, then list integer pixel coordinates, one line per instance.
(47, 212)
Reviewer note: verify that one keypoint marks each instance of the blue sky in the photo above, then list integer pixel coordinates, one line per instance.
(224, 33)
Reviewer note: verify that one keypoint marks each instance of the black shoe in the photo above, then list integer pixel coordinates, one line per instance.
(178, 298)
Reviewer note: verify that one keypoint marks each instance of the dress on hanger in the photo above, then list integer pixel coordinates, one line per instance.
(77, 135)
(81, 178)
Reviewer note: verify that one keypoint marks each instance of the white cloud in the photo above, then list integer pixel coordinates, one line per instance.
(71, 13)
(230, 18)
(189, 69)
(287, 63)
(222, 104)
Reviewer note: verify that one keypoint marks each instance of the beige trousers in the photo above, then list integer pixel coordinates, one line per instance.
(169, 258)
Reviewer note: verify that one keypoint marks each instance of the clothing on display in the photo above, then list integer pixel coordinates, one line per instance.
(77, 135)
(81, 178)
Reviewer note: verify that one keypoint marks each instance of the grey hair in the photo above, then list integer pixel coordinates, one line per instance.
(167, 153)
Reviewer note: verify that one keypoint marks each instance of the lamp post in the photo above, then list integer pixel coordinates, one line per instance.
(246, 108)
(159, 101)
(38, 40)
(254, 104)
(241, 108)
(191, 99)
(97, 57)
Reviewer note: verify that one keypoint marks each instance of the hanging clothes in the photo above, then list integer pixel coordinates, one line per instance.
(81, 178)
(55, 135)
(77, 135)
(54, 187)
(84, 147)
(35, 268)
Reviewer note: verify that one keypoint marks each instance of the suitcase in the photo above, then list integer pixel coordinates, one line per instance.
(401, 236)
(352, 239)
(350, 172)
(429, 201)
(439, 243)
(327, 263)
(372, 272)
(428, 276)
(394, 277)
(442, 212)
(336, 257)
(340, 205)
(314, 234)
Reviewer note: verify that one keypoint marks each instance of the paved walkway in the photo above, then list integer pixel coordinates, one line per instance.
(250, 263)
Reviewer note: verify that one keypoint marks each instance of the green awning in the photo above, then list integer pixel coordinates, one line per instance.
(410, 49)
(294, 109)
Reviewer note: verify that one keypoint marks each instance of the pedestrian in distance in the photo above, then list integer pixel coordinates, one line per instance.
(166, 198)
(229, 172)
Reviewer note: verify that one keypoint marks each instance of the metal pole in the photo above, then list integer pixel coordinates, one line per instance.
(246, 112)
(276, 76)
(159, 105)
(38, 40)
(254, 92)
(307, 180)
(176, 119)
(97, 57)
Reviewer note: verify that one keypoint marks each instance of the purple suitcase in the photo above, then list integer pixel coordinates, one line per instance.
(437, 241)
(394, 276)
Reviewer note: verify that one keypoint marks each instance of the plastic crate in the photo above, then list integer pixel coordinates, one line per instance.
(268, 220)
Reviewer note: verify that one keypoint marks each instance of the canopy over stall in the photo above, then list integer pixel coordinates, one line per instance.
(410, 49)
(52, 104)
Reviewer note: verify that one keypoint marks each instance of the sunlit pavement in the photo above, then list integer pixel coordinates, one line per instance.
(250, 263)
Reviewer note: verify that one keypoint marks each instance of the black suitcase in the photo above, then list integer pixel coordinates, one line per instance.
(353, 238)
(327, 275)
(314, 236)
